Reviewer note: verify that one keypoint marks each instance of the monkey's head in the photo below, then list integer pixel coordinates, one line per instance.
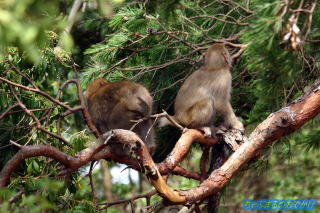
(94, 86)
(217, 57)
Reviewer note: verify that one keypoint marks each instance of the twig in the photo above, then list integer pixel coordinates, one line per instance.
(109, 204)
(285, 8)
(168, 87)
(36, 120)
(299, 9)
(192, 46)
(16, 144)
(239, 53)
(154, 67)
(118, 63)
(219, 19)
(156, 116)
(8, 110)
(240, 6)
(5, 146)
(16, 196)
(22, 74)
(32, 110)
(36, 91)
(94, 195)
(171, 119)
(309, 23)
(82, 106)
(184, 173)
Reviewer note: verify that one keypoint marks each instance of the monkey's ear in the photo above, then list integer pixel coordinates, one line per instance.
(225, 56)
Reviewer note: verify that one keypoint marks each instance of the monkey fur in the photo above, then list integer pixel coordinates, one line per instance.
(205, 92)
(113, 105)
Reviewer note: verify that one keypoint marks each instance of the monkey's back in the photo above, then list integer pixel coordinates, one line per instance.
(201, 87)
(115, 104)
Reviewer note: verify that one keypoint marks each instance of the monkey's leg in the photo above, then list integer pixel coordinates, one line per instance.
(201, 117)
(230, 119)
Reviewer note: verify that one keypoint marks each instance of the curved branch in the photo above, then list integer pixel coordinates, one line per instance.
(33, 151)
(182, 147)
(277, 125)
(100, 150)
(83, 107)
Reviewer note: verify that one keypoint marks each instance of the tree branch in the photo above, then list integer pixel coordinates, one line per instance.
(277, 125)
(36, 91)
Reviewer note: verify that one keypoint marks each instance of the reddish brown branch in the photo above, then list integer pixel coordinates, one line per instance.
(182, 147)
(183, 172)
(33, 151)
(277, 125)
(93, 191)
(102, 149)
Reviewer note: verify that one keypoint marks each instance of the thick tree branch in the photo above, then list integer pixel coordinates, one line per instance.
(102, 149)
(277, 125)
(182, 147)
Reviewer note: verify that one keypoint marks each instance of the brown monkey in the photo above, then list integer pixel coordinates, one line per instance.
(113, 105)
(205, 92)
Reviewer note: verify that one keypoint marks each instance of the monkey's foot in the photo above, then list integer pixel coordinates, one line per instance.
(184, 130)
(209, 132)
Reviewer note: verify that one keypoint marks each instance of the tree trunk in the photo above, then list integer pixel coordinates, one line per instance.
(106, 180)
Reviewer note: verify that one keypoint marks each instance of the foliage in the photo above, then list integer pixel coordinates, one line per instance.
(23, 24)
